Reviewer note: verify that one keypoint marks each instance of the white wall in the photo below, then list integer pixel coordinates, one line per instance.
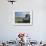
(9, 31)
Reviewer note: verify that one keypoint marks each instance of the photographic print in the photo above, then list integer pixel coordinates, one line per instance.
(23, 18)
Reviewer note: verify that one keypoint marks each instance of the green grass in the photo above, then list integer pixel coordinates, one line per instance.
(18, 19)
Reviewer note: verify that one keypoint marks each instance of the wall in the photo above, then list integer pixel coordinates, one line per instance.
(9, 31)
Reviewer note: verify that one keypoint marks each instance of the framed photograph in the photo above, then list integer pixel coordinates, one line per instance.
(23, 18)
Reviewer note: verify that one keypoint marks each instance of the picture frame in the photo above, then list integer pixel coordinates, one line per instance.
(23, 18)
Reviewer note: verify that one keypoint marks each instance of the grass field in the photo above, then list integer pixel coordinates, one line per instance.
(21, 20)
(18, 19)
